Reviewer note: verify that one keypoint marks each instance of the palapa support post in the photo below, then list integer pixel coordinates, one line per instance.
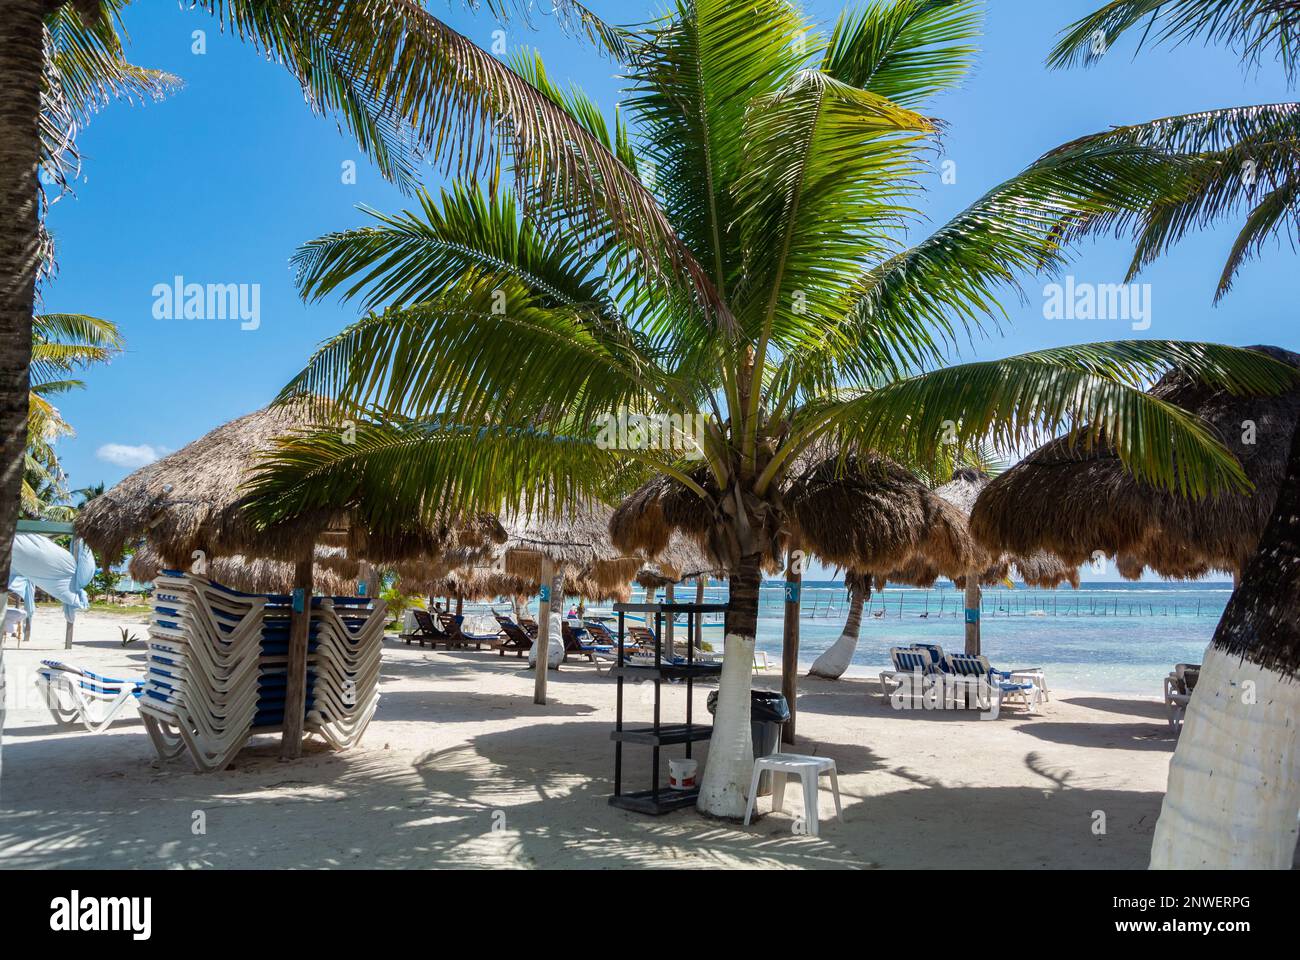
(295, 693)
(669, 635)
(543, 631)
(972, 607)
(790, 641)
(698, 639)
(369, 583)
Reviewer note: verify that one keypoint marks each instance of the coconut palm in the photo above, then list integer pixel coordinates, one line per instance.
(402, 81)
(835, 659)
(513, 326)
(1234, 781)
(62, 344)
(1234, 785)
(1237, 164)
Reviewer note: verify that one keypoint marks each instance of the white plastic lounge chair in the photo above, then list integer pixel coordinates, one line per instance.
(1001, 687)
(77, 696)
(911, 668)
(1034, 675)
(1178, 691)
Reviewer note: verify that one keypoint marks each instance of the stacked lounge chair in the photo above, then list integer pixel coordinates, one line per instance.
(218, 668)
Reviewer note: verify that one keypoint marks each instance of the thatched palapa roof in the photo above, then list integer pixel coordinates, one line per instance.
(1074, 503)
(870, 514)
(193, 499)
(860, 513)
(1038, 569)
(576, 542)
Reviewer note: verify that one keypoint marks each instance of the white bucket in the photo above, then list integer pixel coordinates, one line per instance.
(681, 774)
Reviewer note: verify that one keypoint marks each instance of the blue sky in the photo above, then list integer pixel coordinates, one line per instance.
(221, 183)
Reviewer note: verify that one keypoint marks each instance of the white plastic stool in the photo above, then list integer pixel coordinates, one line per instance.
(808, 770)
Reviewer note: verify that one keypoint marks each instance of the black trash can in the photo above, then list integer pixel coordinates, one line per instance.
(768, 712)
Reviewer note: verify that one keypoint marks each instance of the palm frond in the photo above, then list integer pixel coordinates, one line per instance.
(429, 469)
(411, 257)
(1206, 167)
(1259, 29)
(909, 311)
(904, 50)
(1095, 391)
(84, 68)
(393, 66)
(63, 342)
(827, 167)
(694, 78)
(485, 349)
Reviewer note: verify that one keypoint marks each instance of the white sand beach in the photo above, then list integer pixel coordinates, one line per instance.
(461, 769)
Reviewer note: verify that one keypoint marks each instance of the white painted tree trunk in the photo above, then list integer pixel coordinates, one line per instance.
(555, 643)
(725, 784)
(3, 692)
(1234, 782)
(837, 657)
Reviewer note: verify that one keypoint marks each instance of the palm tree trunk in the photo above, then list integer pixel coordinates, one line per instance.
(1234, 782)
(725, 783)
(21, 59)
(837, 657)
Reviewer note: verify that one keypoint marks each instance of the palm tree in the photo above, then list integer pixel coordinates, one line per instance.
(514, 327)
(402, 81)
(835, 659)
(1234, 783)
(62, 343)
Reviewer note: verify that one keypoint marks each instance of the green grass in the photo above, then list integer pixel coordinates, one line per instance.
(103, 606)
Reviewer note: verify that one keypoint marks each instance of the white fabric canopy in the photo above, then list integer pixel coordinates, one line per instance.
(40, 562)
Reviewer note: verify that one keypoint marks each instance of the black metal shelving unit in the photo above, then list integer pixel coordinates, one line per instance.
(659, 800)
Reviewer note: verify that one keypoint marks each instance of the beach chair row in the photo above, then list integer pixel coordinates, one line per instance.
(923, 667)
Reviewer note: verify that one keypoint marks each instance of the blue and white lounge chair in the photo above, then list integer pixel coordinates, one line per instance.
(75, 695)
(911, 666)
(1003, 686)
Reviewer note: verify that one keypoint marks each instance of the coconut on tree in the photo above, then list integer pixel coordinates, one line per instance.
(788, 315)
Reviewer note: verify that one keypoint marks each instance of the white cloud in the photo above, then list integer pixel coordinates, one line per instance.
(125, 455)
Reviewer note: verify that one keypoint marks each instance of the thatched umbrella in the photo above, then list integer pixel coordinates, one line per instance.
(190, 505)
(680, 561)
(194, 499)
(1036, 569)
(858, 512)
(1078, 503)
(575, 544)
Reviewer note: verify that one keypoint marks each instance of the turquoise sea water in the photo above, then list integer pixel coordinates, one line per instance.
(1104, 637)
